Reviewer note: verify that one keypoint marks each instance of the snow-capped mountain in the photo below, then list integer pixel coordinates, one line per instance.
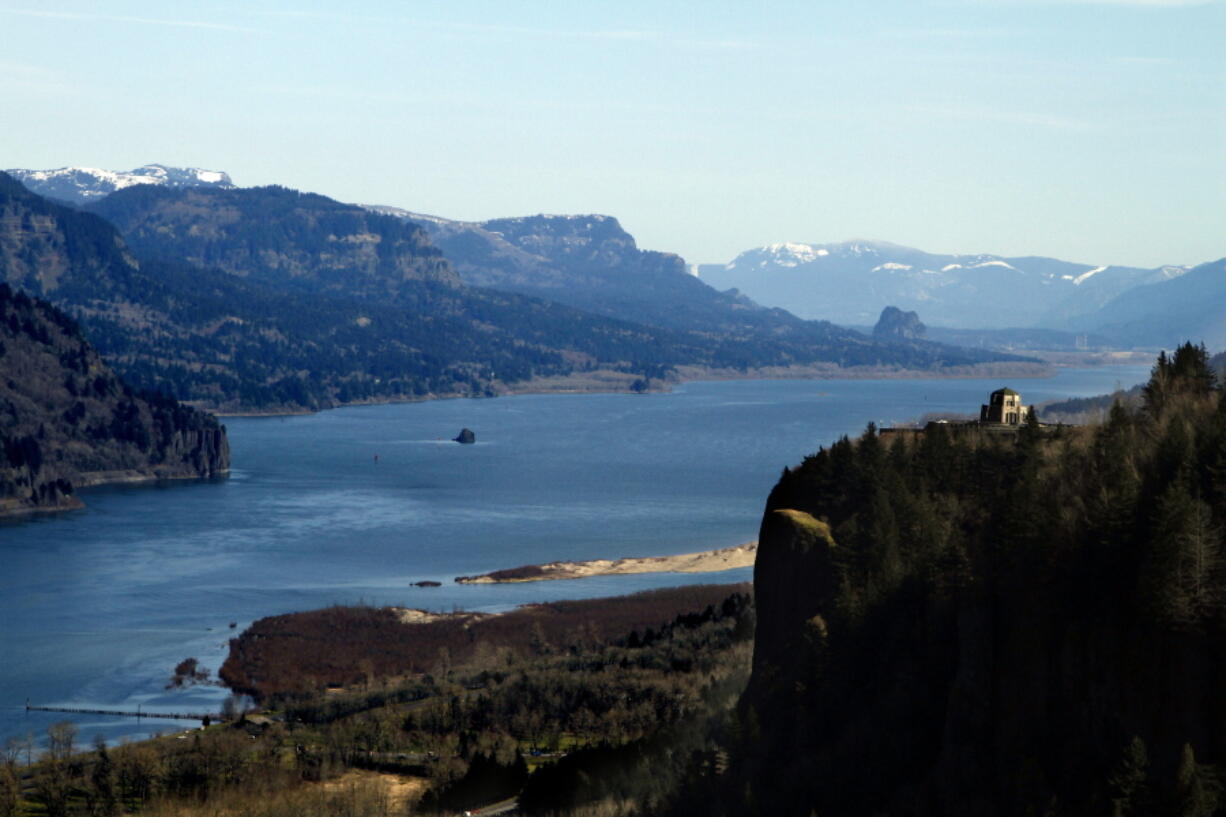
(851, 282)
(83, 184)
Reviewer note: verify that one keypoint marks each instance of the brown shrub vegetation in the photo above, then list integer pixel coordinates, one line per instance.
(300, 653)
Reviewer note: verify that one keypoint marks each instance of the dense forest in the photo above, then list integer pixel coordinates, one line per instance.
(67, 421)
(961, 621)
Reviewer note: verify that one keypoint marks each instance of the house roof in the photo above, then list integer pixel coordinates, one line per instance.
(1007, 391)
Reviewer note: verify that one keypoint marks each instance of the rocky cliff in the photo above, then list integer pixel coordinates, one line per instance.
(67, 421)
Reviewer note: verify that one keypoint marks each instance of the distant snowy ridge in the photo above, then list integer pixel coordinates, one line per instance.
(850, 282)
(84, 184)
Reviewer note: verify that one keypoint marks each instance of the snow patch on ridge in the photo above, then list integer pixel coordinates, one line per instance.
(1077, 281)
(786, 254)
(85, 183)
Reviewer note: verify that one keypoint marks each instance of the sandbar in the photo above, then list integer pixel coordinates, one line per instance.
(706, 561)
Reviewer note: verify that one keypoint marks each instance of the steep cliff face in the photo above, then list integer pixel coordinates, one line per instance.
(956, 623)
(67, 421)
(586, 261)
(796, 561)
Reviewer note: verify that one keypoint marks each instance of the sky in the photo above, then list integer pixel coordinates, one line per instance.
(1089, 130)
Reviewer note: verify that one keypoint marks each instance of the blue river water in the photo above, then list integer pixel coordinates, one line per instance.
(98, 605)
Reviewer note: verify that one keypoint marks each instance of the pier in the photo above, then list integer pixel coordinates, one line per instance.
(177, 716)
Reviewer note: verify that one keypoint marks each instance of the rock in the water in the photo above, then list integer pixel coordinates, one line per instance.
(427, 583)
(895, 325)
(467, 437)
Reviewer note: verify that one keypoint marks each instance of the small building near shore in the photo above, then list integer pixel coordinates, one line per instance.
(1004, 407)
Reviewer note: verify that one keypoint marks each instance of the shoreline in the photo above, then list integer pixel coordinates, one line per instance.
(610, 382)
(704, 561)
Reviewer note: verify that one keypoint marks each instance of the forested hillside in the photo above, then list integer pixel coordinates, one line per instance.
(961, 622)
(67, 421)
(280, 237)
(298, 342)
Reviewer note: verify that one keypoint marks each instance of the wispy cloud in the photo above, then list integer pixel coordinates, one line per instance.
(1146, 61)
(946, 33)
(626, 35)
(1028, 118)
(116, 18)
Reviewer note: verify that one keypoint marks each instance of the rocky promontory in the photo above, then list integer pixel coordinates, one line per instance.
(67, 421)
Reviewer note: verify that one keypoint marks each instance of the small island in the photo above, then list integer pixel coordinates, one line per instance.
(706, 561)
(465, 437)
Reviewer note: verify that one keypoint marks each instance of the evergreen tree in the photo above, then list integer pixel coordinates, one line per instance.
(1127, 785)
(1196, 789)
(1185, 558)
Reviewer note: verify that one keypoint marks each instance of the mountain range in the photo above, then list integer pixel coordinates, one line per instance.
(851, 282)
(272, 299)
(589, 262)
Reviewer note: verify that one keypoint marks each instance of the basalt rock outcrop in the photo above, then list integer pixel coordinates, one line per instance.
(895, 325)
(67, 421)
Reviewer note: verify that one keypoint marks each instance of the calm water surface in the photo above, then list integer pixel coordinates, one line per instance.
(98, 605)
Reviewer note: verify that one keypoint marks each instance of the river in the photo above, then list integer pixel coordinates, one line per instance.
(98, 605)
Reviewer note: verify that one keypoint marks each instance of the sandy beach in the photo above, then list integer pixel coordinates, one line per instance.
(706, 561)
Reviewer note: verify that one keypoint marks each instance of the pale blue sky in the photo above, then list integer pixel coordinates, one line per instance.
(1091, 131)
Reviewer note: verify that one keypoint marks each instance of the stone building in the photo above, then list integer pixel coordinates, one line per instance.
(1004, 408)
